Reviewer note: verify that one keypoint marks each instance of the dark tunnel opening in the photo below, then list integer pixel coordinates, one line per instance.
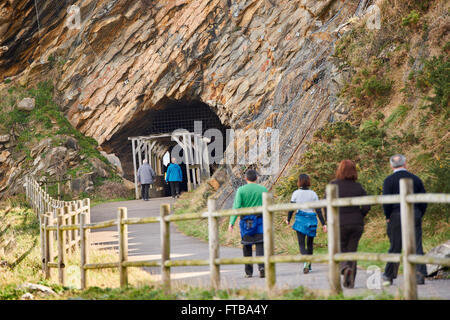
(168, 116)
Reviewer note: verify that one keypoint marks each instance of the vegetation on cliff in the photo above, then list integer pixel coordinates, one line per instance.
(399, 98)
(43, 142)
(398, 101)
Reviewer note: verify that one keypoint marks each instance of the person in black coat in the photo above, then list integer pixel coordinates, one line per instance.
(391, 185)
(351, 219)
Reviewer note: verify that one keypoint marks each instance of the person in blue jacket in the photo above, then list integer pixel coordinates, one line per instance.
(174, 176)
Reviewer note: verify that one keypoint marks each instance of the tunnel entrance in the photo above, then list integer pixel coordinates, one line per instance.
(168, 116)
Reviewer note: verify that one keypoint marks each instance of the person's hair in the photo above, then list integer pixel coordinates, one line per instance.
(251, 175)
(303, 181)
(346, 171)
(397, 160)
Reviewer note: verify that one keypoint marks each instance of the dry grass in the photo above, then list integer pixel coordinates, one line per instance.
(102, 278)
(22, 259)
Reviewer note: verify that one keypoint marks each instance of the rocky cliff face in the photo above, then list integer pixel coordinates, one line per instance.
(256, 63)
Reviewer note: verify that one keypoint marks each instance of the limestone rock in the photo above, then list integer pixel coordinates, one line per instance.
(100, 169)
(214, 184)
(128, 184)
(38, 287)
(114, 160)
(4, 156)
(442, 251)
(71, 143)
(82, 184)
(4, 138)
(26, 104)
(27, 296)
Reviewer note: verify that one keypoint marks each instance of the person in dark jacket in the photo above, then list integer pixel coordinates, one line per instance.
(305, 220)
(351, 219)
(145, 176)
(174, 176)
(391, 185)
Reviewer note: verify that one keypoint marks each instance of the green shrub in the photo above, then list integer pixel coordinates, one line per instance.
(17, 117)
(399, 113)
(436, 75)
(412, 18)
(376, 87)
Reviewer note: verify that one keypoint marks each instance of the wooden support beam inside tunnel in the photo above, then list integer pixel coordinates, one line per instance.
(153, 148)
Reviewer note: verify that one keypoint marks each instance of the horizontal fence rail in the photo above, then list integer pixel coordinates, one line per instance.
(334, 256)
(60, 217)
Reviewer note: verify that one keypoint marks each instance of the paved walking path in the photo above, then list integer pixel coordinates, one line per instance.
(144, 244)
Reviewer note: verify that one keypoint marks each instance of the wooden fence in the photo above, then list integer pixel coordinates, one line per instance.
(56, 215)
(406, 198)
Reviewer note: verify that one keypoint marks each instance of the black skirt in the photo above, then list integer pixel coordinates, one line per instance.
(254, 239)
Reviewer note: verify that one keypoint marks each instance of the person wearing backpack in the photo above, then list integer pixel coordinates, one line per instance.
(251, 226)
(305, 220)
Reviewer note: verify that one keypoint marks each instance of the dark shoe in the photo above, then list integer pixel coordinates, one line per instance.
(420, 279)
(248, 276)
(387, 281)
(351, 282)
(262, 273)
(347, 277)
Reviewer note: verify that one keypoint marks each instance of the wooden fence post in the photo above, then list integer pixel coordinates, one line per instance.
(268, 241)
(123, 245)
(165, 247)
(42, 237)
(61, 249)
(333, 240)
(88, 231)
(83, 260)
(47, 247)
(68, 234)
(408, 239)
(213, 237)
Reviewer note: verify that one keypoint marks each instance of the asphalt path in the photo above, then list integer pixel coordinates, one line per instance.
(144, 244)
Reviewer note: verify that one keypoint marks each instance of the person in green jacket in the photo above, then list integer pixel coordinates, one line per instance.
(251, 226)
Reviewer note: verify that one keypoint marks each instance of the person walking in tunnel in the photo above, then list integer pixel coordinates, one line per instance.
(351, 219)
(146, 176)
(174, 176)
(251, 226)
(305, 220)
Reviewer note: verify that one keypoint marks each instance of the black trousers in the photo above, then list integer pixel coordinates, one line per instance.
(174, 188)
(350, 235)
(144, 190)
(394, 232)
(305, 247)
(248, 252)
